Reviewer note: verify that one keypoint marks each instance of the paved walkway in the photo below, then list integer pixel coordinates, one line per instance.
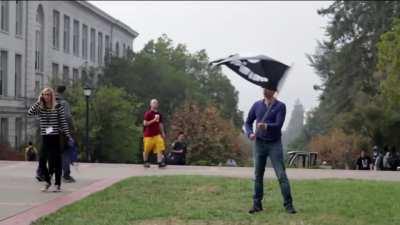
(21, 201)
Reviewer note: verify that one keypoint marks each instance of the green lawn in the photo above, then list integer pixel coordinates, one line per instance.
(199, 200)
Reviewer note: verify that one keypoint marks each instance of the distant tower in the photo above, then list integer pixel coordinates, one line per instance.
(296, 124)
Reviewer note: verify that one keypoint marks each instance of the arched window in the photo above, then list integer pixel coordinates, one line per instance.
(39, 39)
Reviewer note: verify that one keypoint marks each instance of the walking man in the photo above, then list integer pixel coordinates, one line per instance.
(153, 135)
(66, 154)
(269, 114)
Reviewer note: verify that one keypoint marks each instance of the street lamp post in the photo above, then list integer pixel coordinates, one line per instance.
(87, 92)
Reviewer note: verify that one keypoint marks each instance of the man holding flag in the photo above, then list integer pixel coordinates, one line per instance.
(267, 137)
(269, 114)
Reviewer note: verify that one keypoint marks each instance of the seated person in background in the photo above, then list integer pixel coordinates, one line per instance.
(177, 155)
(386, 159)
(31, 153)
(375, 155)
(364, 162)
(231, 162)
(394, 160)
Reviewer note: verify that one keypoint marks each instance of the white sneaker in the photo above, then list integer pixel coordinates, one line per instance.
(56, 188)
(46, 187)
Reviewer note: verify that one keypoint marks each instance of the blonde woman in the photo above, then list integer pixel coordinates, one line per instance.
(52, 125)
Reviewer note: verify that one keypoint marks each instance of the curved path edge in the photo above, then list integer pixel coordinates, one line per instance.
(28, 216)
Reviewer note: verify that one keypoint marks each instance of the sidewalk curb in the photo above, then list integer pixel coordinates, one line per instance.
(33, 214)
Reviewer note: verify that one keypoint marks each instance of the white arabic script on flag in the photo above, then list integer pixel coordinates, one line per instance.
(245, 70)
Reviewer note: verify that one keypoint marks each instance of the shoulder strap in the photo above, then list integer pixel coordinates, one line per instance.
(266, 113)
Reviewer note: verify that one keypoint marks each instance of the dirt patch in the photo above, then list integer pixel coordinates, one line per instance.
(207, 189)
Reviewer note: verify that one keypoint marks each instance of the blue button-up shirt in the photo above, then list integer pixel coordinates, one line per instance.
(274, 120)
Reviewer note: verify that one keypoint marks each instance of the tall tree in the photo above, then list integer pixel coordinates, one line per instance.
(173, 74)
(295, 126)
(346, 62)
(389, 67)
(113, 135)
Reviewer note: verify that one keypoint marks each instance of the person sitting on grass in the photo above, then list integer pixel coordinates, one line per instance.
(178, 152)
(364, 162)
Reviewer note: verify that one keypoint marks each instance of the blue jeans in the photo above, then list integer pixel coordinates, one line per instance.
(273, 150)
(38, 171)
(66, 161)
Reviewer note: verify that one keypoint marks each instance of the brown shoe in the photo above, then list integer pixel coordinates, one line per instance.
(257, 207)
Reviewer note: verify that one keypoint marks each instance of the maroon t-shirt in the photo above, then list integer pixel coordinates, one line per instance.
(154, 128)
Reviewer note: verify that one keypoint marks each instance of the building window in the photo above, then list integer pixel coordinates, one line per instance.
(84, 76)
(66, 33)
(18, 132)
(54, 70)
(93, 45)
(4, 131)
(75, 41)
(3, 72)
(107, 49)
(39, 39)
(18, 75)
(124, 50)
(38, 87)
(56, 29)
(107, 44)
(100, 49)
(4, 16)
(65, 75)
(38, 53)
(75, 75)
(84, 41)
(117, 49)
(18, 17)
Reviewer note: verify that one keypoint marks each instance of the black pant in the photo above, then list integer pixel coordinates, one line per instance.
(51, 154)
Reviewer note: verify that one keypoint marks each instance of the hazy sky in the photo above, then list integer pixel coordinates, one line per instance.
(283, 30)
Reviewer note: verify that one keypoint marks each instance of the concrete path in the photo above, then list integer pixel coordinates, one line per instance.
(21, 201)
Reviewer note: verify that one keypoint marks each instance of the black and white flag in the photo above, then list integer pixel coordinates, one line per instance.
(260, 70)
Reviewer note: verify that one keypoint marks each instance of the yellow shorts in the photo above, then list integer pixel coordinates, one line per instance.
(155, 144)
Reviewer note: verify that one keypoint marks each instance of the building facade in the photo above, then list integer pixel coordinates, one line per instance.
(41, 40)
